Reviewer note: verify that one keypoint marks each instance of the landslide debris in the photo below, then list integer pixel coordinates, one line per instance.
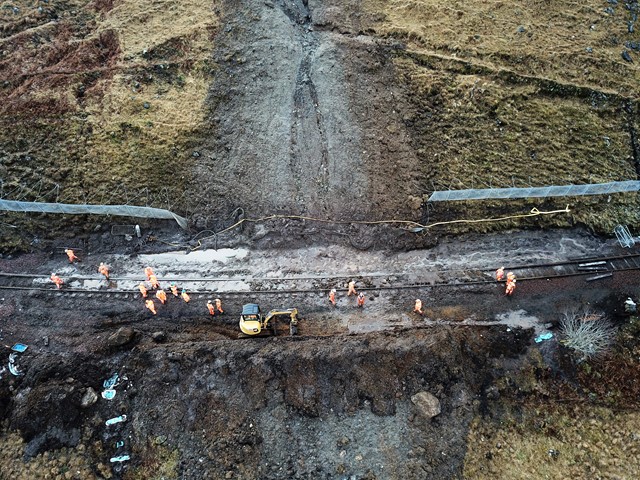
(264, 408)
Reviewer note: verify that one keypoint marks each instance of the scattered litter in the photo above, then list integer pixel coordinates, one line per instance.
(111, 382)
(120, 443)
(624, 236)
(121, 458)
(553, 453)
(14, 370)
(19, 347)
(46, 341)
(114, 420)
(630, 306)
(598, 277)
(109, 394)
(544, 336)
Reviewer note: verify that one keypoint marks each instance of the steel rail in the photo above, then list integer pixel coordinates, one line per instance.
(64, 291)
(576, 261)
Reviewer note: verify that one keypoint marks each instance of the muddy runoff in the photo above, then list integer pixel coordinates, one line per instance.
(260, 408)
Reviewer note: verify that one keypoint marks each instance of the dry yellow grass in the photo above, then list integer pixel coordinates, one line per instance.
(539, 38)
(61, 463)
(150, 110)
(518, 94)
(592, 443)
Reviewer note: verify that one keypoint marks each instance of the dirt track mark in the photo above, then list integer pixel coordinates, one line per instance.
(307, 124)
(633, 136)
(281, 116)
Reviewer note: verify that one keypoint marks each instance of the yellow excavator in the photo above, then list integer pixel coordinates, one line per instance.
(253, 323)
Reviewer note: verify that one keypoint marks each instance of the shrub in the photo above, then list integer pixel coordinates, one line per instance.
(586, 332)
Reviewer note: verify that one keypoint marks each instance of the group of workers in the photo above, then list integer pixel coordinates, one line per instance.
(152, 280)
(216, 305)
(351, 290)
(510, 283)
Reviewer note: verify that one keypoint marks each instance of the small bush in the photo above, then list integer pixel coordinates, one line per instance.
(586, 332)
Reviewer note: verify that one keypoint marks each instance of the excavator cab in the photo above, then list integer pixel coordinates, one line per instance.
(252, 322)
(251, 319)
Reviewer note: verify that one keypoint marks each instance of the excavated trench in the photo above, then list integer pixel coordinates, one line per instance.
(264, 409)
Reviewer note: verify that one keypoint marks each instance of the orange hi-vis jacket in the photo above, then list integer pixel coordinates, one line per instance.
(149, 304)
(143, 290)
(104, 270)
(212, 310)
(185, 296)
(154, 281)
(160, 295)
(70, 254)
(57, 280)
(418, 307)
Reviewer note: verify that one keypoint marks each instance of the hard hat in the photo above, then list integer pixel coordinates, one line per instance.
(208, 301)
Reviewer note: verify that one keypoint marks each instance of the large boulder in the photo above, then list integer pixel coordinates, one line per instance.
(426, 404)
(89, 398)
(123, 336)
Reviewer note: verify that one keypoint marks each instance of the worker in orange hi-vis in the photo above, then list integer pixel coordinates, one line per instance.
(57, 280)
(160, 295)
(511, 276)
(212, 310)
(511, 286)
(148, 271)
(185, 296)
(332, 296)
(143, 290)
(500, 274)
(219, 305)
(360, 302)
(352, 288)
(418, 306)
(154, 281)
(104, 270)
(152, 308)
(70, 254)
(174, 290)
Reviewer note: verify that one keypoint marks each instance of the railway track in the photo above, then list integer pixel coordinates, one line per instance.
(592, 268)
